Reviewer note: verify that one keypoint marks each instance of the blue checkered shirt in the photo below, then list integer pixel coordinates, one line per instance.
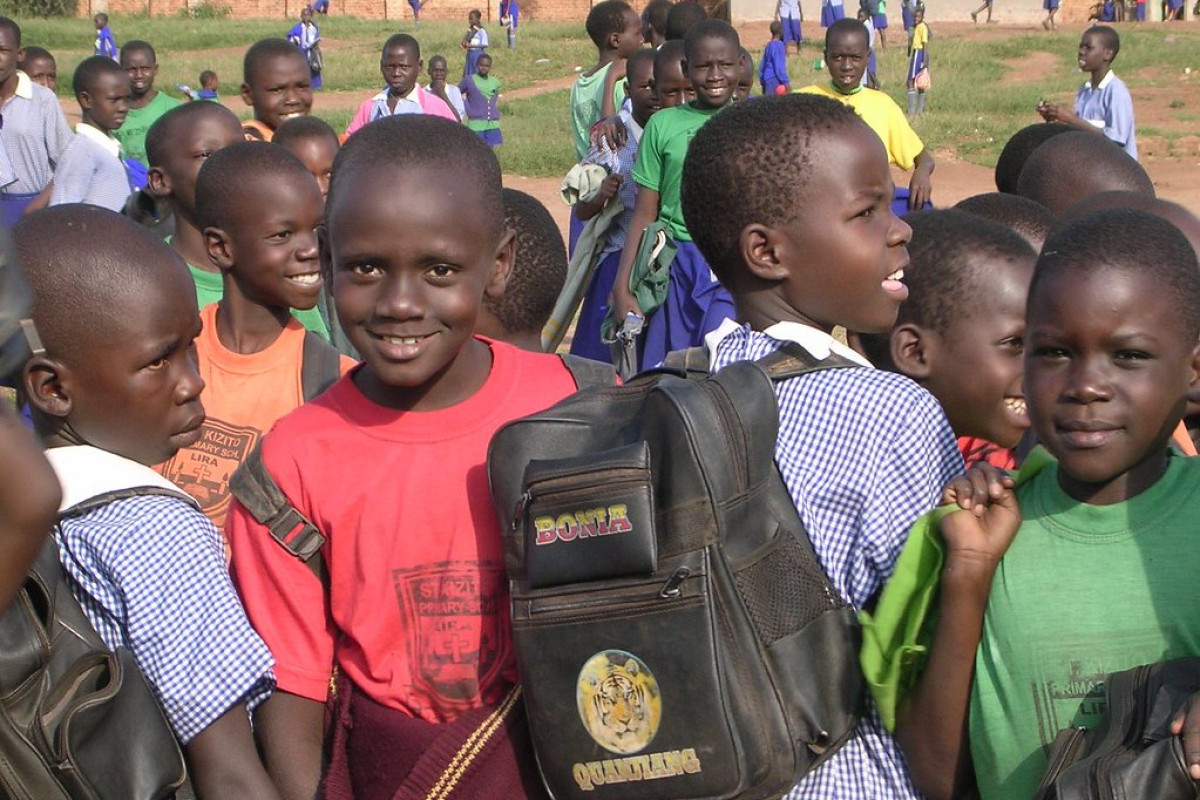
(150, 574)
(863, 453)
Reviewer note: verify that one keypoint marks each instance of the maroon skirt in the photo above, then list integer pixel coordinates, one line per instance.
(379, 753)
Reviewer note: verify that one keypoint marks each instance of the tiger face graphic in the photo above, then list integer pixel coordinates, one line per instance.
(619, 701)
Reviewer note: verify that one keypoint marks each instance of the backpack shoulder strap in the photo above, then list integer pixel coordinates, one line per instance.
(105, 498)
(689, 363)
(791, 360)
(588, 374)
(255, 489)
(320, 367)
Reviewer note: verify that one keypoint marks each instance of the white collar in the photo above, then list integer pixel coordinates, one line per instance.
(85, 472)
(105, 140)
(1103, 84)
(413, 97)
(816, 342)
(24, 86)
(631, 123)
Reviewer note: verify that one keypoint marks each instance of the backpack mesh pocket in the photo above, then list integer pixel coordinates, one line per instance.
(784, 590)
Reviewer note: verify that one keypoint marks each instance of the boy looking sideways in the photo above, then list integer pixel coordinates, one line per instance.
(116, 391)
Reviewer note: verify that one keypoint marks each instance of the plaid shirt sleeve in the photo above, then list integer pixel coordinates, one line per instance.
(863, 453)
(150, 574)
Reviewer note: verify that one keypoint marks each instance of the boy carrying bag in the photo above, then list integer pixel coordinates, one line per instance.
(675, 633)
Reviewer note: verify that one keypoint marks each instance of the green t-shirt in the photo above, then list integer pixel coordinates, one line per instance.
(1083, 591)
(132, 134)
(659, 165)
(210, 288)
(587, 101)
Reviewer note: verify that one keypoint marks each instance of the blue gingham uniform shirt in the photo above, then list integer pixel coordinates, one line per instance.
(864, 453)
(620, 162)
(150, 574)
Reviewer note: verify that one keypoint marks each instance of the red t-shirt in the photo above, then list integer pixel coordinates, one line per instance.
(974, 450)
(417, 611)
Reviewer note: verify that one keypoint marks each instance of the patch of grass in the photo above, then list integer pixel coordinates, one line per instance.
(537, 135)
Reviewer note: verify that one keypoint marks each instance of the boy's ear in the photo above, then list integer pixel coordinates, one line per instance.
(506, 256)
(219, 247)
(764, 252)
(46, 382)
(157, 183)
(1194, 378)
(85, 100)
(246, 98)
(910, 347)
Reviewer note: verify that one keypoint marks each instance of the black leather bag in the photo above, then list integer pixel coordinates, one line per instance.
(77, 721)
(1131, 753)
(676, 635)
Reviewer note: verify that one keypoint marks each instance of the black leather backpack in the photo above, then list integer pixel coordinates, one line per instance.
(77, 721)
(676, 635)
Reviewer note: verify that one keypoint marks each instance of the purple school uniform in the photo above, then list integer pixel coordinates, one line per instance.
(696, 304)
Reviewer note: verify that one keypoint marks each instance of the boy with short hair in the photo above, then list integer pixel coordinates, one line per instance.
(862, 452)
(1111, 343)
(671, 83)
(400, 64)
(276, 83)
(91, 169)
(481, 100)
(847, 52)
(209, 83)
(311, 140)
(654, 22)
(146, 104)
(1027, 218)
(35, 133)
(39, 64)
(538, 273)
(448, 92)
(1075, 165)
(772, 70)
(960, 332)
(177, 145)
(115, 391)
(695, 302)
(682, 18)
(106, 43)
(258, 208)
(1103, 104)
(416, 624)
(745, 78)
(639, 76)
(616, 30)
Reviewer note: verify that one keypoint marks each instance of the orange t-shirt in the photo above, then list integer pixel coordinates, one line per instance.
(243, 397)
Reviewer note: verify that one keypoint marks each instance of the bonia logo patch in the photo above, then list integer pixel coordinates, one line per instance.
(583, 524)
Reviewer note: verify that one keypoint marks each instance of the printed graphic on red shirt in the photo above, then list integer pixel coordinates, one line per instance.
(455, 616)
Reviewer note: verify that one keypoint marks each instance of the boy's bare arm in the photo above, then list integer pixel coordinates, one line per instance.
(1052, 112)
(645, 211)
(920, 187)
(290, 734)
(616, 73)
(223, 762)
(585, 210)
(932, 721)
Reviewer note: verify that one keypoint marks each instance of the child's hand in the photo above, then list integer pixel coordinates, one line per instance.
(1049, 111)
(608, 131)
(609, 187)
(623, 303)
(1187, 724)
(982, 530)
